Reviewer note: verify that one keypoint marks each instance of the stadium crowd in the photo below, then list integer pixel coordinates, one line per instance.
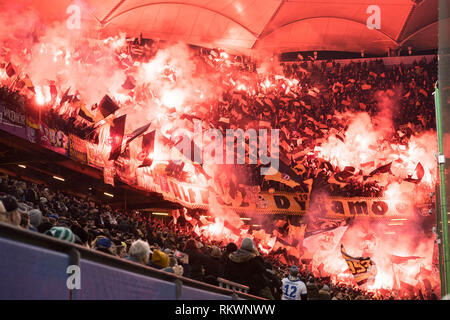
(307, 105)
(306, 101)
(161, 243)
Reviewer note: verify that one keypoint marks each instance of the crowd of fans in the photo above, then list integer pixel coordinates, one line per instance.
(308, 102)
(305, 100)
(160, 243)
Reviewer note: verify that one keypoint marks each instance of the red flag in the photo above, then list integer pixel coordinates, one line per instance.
(116, 133)
(128, 84)
(10, 70)
(383, 169)
(420, 172)
(139, 131)
(106, 107)
(148, 144)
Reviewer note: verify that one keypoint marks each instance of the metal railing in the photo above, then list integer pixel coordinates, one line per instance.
(235, 287)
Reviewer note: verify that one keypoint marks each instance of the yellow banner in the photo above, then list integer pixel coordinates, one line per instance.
(197, 197)
(373, 208)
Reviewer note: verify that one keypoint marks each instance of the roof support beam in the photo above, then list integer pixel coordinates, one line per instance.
(184, 4)
(327, 17)
(268, 22)
(112, 11)
(418, 31)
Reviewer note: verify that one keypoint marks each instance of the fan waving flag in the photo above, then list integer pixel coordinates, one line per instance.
(363, 269)
(139, 131)
(10, 70)
(148, 145)
(106, 107)
(383, 169)
(419, 171)
(283, 178)
(85, 113)
(116, 132)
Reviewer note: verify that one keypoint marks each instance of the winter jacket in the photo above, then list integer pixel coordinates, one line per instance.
(246, 268)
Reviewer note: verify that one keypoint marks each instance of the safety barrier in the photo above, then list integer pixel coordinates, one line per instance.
(35, 266)
(224, 283)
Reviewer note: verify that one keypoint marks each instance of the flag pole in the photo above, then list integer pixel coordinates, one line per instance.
(439, 240)
(442, 195)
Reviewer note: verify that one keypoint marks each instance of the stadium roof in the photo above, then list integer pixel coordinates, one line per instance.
(274, 25)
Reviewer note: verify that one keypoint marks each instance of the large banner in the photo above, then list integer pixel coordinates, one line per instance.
(199, 197)
(375, 208)
(247, 199)
(77, 148)
(94, 156)
(53, 139)
(13, 121)
(193, 197)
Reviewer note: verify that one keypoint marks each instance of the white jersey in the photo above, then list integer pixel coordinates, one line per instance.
(293, 289)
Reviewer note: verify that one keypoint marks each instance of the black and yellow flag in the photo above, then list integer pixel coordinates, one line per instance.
(363, 269)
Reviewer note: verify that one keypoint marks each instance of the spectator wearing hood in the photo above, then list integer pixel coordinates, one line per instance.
(35, 219)
(245, 266)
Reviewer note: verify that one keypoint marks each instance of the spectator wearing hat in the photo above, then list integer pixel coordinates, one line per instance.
(324, 293)
(159, 259)
(53, 218)
(103, 244)
(61, 233)
(293, 287)
(35, 219)
(245, 266)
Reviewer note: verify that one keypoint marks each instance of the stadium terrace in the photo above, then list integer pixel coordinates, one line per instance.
(251, 159)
